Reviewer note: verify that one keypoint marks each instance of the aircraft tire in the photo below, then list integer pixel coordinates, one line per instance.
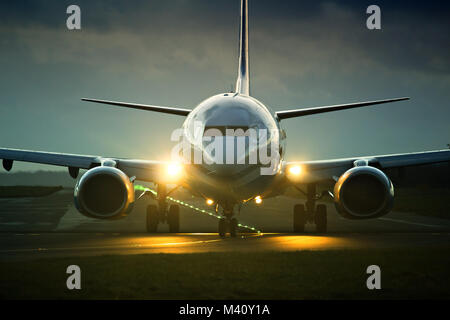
(222, 227)
(299, 218)
(233, 227)
(320, 218)
(152, 218)
(174, 218)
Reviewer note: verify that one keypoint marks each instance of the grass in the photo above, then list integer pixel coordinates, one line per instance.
(27, 191)
(405, 273)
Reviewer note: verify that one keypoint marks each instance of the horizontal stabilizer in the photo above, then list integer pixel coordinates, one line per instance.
(309, 111)
(170, 110)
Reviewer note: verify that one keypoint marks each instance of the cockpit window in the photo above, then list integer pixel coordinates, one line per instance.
(218, 114)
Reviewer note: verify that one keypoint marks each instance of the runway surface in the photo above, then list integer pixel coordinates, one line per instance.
(33, 228)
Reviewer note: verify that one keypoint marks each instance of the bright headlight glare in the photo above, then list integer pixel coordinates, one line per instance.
(209, 202)
(295, 170)
(258, 199)
(174, 169)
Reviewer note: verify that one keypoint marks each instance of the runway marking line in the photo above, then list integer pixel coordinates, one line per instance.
(409, 222)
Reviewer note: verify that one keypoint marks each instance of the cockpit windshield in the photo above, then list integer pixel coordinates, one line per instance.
(226, 114)
(230, 121)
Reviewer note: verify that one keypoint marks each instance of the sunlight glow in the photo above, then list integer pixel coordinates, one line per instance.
(295, 170)
(174, 169)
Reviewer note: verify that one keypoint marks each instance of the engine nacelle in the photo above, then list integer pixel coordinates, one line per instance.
(104, 193)
(363, 192)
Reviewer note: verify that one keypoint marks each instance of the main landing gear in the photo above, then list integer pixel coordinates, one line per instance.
(310, 212)
(162, 213)
(228, 224)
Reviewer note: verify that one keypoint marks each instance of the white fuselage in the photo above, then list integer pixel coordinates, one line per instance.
(231, 166)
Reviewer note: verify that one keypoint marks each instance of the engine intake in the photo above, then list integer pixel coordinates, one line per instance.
(363, 192)
(104, 193)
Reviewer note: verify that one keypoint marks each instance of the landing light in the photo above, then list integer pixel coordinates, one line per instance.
(209, 202)
(258, 199)
(174, 169)
(295, 170)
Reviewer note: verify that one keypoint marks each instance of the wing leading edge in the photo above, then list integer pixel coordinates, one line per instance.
(315, 110)
(169, 110)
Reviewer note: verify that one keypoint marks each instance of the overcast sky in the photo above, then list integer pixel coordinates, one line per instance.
(179, 52)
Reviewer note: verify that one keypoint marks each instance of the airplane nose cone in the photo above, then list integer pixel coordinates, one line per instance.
(227, 169)
(228, 155)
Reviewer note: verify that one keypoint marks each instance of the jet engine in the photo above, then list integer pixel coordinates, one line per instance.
(104, 193)
(363, 192)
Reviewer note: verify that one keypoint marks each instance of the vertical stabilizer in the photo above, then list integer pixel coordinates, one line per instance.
(243, 80)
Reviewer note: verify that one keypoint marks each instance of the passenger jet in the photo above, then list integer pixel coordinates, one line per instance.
(359, 185)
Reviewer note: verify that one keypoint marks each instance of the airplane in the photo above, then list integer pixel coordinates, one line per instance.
(359, 185)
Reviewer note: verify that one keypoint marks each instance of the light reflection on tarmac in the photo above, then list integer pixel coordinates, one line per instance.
(49, 227)
(31, 246)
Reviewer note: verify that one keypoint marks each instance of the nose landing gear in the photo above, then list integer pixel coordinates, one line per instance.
(228, 224)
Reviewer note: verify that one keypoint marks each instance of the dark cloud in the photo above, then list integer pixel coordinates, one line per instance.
(178, 52)
(136, 13)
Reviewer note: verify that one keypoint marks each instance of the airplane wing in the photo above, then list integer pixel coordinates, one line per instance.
(331, 170)
(143, 170)
(150, 171)
(57, 159)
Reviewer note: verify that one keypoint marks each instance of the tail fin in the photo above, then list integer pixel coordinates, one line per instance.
(243, 80)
